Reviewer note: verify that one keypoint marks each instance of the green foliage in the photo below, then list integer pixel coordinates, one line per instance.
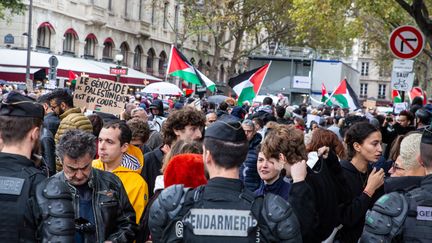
(11, 7)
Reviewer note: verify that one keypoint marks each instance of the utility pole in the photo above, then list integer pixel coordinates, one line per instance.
(176, 12)
(29, 40)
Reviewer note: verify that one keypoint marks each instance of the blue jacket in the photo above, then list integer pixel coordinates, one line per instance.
(280, 187)
(248, 170)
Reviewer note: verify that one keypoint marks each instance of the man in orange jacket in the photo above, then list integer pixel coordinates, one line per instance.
(113, 147)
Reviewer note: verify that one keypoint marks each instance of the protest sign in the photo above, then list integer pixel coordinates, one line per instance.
(398, 107)
(100, 95)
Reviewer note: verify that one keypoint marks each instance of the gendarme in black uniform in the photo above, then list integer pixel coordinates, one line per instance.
(223, 210)
(33, 208)
(404, 216)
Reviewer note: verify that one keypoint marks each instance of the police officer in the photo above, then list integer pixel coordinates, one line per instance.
(223, 210)
(404, 216)
(33, 208)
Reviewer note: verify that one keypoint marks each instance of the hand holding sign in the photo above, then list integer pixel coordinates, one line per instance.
(100, 95)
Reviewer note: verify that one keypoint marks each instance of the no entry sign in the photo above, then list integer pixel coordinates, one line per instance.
(406, 42)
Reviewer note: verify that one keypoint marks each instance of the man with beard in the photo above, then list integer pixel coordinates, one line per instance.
(61, 103)
(30, 202)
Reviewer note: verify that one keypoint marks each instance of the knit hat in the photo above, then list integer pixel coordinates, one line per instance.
(186, 169)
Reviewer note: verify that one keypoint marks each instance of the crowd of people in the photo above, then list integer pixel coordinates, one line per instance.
(189, 170)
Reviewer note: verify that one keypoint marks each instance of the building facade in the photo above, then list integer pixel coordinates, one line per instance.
(374, 79)
(141, 30)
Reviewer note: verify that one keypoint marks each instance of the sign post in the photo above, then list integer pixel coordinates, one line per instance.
(52, 76)
(402, 77)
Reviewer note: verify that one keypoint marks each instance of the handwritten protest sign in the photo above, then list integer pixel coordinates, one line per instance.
(100, 95)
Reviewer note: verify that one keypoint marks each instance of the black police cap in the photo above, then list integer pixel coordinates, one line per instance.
(226, 131)
(19, 105)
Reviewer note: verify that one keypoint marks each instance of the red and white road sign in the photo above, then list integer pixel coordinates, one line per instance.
(406, 42)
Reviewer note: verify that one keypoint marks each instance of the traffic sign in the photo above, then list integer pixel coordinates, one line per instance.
(406, 42)
(53, 61)
(402, 77)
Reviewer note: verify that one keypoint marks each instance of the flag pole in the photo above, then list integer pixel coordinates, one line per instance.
(264, 78)
(169, 62)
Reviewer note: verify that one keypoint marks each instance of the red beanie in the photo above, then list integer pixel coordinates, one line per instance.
(186, 169)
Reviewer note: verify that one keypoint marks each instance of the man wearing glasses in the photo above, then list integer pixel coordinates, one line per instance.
(405, 215)
(61, 103)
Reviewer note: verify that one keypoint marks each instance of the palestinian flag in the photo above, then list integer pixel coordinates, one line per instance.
(345, 96)
(418, 92)
(396, 97)
(72, 77)
(179, 66)
(247, 84)
(325, 97)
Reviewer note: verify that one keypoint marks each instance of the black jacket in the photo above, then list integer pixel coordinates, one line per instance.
(48, 150)
(352, 212)
(114, 215)
(248, 170)
(19, 218)
(402, 184)
(152, 167)
(51, 122)
(328, 185)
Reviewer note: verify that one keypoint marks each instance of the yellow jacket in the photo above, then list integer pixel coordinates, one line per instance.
(135, 186)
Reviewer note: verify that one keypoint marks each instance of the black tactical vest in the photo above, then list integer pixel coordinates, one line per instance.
(17, 220)
(418, 224)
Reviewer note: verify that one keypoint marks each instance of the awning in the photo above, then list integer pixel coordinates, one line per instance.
(47, 24)
(91, 36)
(71, 31)
(16, 59)
(108, 40)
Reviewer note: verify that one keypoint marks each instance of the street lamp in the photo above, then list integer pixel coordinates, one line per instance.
(119, 59)
(29, 39)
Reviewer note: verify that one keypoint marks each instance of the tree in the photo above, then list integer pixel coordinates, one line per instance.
(244, 24)
(11, 7)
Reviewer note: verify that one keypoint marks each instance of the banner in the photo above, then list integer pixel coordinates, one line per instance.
(100, 95)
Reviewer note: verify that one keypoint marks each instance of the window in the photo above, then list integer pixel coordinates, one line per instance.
(137, 57)
(90, 46)
(124, 50)
(200, 65)
(153, 12)
(109, 5)
(69, 41)
(363, 90)
(162, 63)
(150, 58)
(365, 69)
(126, 9)
(107, 50)
(365, 48)
(222, 74)
(381, 91)
(140, 10)
(165, 15)
(44, 37)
